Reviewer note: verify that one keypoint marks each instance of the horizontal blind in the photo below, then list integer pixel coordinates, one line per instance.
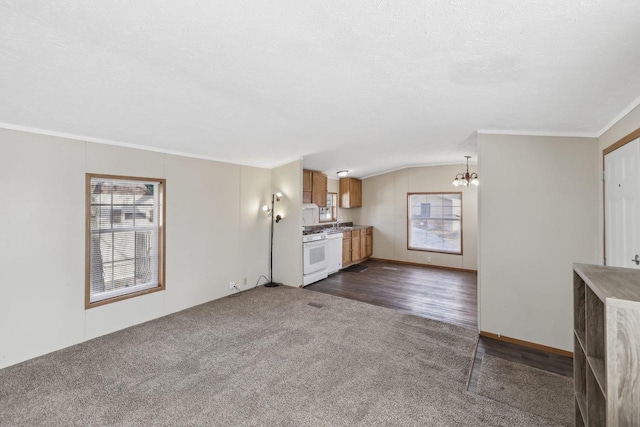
(124, 232)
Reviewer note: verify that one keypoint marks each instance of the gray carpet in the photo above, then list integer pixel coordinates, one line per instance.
(266, 357)
(533, 390)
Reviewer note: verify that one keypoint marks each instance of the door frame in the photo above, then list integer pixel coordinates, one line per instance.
(620, 143)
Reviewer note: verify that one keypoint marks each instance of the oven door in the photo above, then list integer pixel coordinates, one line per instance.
(315, 256)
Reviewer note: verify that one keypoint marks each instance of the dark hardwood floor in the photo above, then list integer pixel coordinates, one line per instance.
(445, 295)
(551, 362)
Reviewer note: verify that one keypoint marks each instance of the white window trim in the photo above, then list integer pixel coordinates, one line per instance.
(433, 250)
(98, 299)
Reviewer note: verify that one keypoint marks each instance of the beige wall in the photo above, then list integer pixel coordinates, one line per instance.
(384, 206)
(619, 130)
(216, 233)
(538, 203)
(287, 236)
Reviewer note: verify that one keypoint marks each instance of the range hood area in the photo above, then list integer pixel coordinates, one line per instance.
(310, 214)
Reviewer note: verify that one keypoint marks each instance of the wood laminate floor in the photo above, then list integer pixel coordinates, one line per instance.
(551, 362)
(444, 295)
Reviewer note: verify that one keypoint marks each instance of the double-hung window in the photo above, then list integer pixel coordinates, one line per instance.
(434, 222)
(330, 212)
(125, 237)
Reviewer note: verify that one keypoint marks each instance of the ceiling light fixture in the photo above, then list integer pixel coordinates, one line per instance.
(464, 179)
(342, 173)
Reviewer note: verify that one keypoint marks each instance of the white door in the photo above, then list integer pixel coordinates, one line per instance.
(622, 206)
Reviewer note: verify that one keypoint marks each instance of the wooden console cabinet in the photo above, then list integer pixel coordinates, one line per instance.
(606, 364)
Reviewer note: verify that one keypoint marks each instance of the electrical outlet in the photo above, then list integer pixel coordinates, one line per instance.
(244, 281)
(232, 285)
(428, 259)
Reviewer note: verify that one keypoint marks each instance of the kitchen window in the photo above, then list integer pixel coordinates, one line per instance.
(330, 212)
(125, 237)
(435, 222)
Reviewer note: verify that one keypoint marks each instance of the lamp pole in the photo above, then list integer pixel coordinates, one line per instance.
(271, 283)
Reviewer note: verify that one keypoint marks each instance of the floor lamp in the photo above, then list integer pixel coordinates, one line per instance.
(274, 198)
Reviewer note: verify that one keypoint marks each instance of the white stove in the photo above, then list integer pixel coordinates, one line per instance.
(314, 254)
(313, 236)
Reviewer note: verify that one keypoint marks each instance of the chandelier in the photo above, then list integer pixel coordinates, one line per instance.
(464, 179)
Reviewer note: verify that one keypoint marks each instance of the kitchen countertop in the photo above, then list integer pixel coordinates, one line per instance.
(343, 229)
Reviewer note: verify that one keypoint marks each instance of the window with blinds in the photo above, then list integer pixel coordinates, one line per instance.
(125, 237)
(434, 222)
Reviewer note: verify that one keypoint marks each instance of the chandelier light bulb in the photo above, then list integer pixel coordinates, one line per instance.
(464, 179)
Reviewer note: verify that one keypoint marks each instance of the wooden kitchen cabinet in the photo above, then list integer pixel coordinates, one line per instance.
(319, 189)
(355, 246)
(346, 248)
(314, 188)
(350, 193)
(306, 180)
(306, 186)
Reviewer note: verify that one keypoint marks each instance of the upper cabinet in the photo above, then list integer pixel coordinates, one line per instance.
(306, 183)
(350, 193)
(314, 188)
(319, 189)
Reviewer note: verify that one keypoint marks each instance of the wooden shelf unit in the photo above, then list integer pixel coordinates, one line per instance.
(606, 357)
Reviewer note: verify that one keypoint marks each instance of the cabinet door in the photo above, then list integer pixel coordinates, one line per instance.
(319, 193)
(306, 180)
(356, 193)
(346, 252)
(350, 193)
(355, 249)
(363, 246)
(369, 245)
(343, 197)
(306, 186)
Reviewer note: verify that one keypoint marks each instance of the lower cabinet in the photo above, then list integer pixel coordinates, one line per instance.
(357, 245)
(346, 249)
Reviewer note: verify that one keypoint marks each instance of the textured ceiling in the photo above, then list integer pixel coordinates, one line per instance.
(362, 85)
